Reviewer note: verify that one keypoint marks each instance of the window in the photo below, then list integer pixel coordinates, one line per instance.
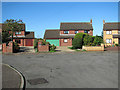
(76, 32)
(17, 32)
(66, 32)
(85, 31)
(108, 40)
(118, 32)
(108, 32)
(18, 41)
(65, 40)
(88, 31)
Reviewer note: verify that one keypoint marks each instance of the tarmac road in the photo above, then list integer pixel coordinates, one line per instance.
(67, 70)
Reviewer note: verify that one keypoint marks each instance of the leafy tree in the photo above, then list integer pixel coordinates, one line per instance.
(98, 40)
(12, 26)
(87, 40)
(5, 37)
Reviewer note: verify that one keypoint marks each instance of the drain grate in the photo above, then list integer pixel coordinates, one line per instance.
(37, 81)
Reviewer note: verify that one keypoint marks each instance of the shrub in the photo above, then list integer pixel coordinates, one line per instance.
(116, 45)
(35, 43)
(16, 47)
(52, 47)
(98, 40)
(87, 40)
(77, 43)
(78, 40)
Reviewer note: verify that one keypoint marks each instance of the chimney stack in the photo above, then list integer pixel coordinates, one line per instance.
(91, 21)
(103, 21)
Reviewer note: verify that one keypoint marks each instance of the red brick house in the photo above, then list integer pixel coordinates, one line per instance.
(23, 37)
(66, 33)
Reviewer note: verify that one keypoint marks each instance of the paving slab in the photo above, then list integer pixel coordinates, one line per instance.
(11, 78)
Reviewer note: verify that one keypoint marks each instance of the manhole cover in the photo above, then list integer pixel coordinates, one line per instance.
(28, 57)
(37, 81)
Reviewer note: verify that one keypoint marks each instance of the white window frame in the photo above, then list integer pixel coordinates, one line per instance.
(17, 33)
(108, 40)
(88, 31)
(66, 33)
(65, 40)
(76, 31)
(108, 32)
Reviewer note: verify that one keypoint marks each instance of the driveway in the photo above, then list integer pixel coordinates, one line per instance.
(67, 70)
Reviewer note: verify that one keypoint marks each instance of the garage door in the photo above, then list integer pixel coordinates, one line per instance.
(29, 42)
(53, 41)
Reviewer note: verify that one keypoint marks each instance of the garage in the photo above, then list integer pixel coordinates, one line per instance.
(53, 41)
(52, 36)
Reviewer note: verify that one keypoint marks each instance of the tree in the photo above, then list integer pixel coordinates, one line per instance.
(87, 40)
(98, 40)
(12, 26)
(5, 37)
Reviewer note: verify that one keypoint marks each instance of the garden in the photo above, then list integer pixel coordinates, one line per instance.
(83, 39)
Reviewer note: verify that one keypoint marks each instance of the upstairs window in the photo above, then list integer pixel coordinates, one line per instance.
(66, 32)
(108, 32)
(118, 32)
(17, 32)
(76, 32)
(85, 31)
(108, 40)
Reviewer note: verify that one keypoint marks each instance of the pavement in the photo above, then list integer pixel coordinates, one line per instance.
(67, 69)
(64, 49)
(11, 78)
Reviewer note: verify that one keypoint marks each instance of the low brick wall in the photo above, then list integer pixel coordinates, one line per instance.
(93, 48)
(112, 48)
(7, 49)
(42, 48)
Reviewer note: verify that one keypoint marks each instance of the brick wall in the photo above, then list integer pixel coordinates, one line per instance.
(94, 48)
(7, 49)
(68, 43)
(42, 48)
(22, 33)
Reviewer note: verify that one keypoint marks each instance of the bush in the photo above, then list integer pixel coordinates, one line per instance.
(97, 40)
(78, 40)
(116, 45)
(16, 47)
(52, 47)
(77, 43)
(35, 43)
(87, 40)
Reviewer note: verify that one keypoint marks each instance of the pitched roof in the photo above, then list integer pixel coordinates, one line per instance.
(54, 33)
(76, 26)
(111, 26)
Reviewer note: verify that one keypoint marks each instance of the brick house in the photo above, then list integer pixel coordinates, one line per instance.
(23, 37)
(66, 33)
(111, 33)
